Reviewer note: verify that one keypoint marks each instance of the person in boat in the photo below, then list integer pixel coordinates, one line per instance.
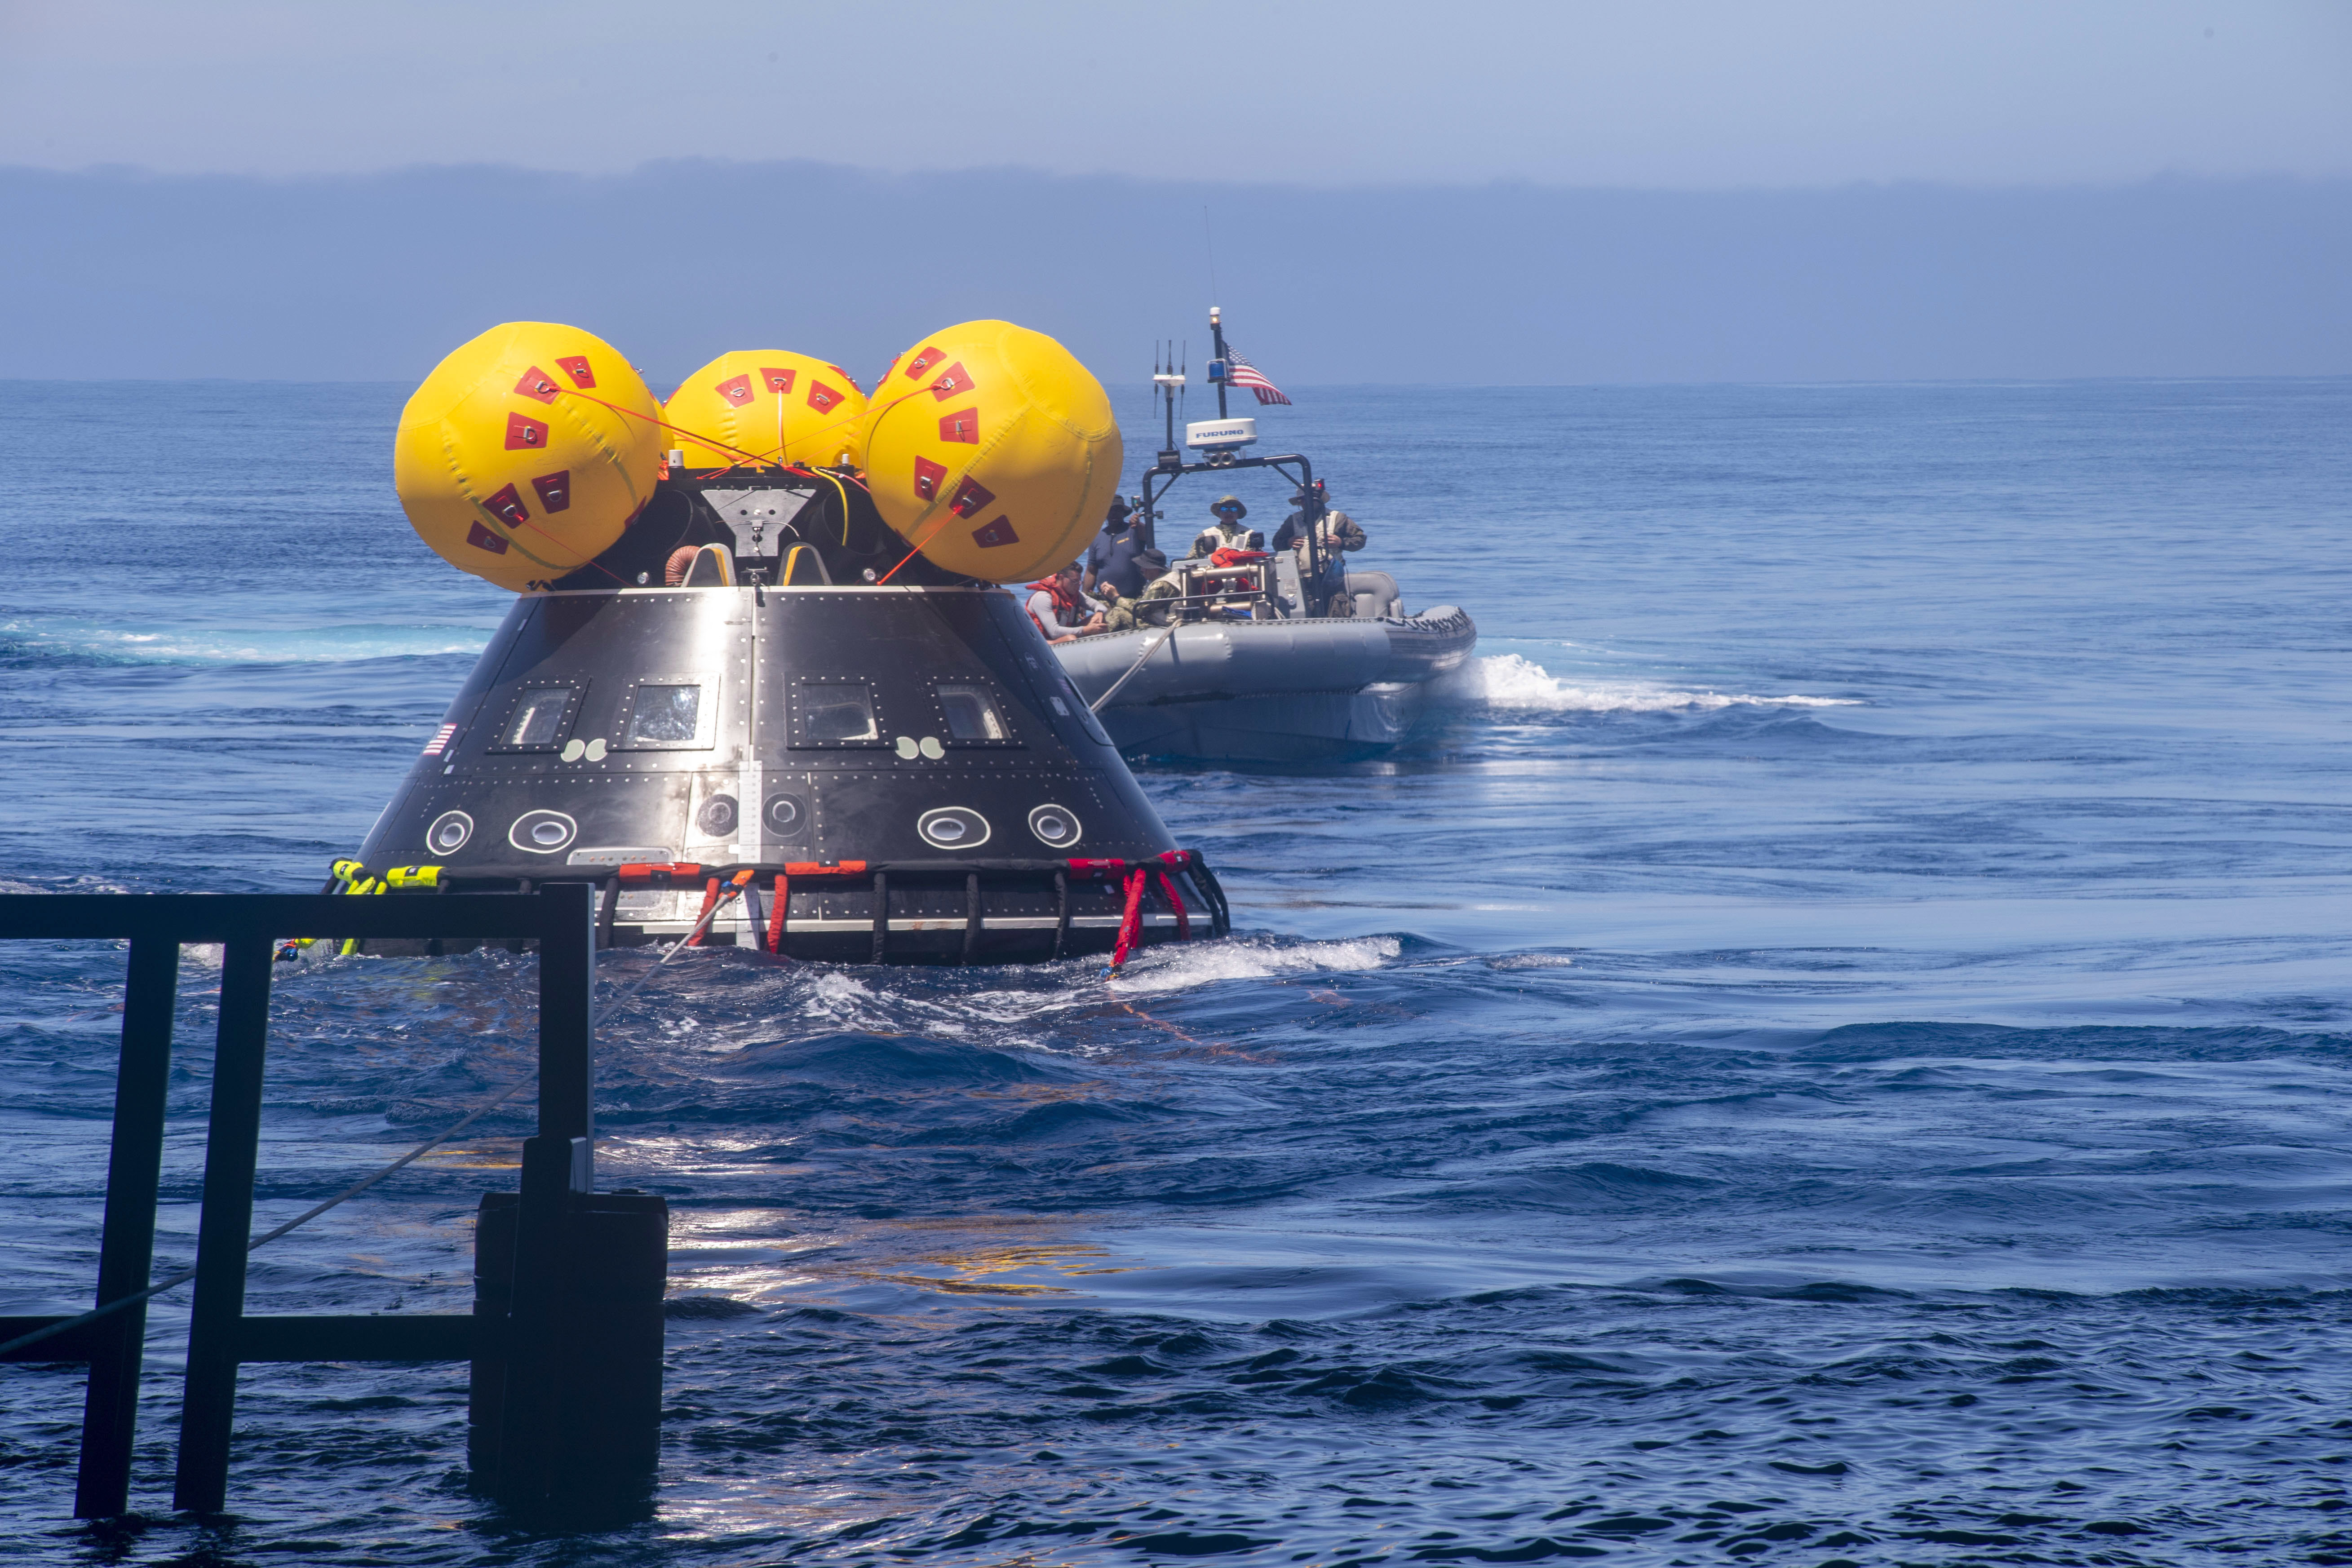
(1336, 534)
(1118, 609)
(1229, 532)
(1110, 559)
(1059, 610)
(1147, 609)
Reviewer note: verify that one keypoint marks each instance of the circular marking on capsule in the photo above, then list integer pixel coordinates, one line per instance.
(542, 832)
(931, 748)
(786, 814)
(596, 750)
(1056, 826)
(449, 833)
(717, 817)
(572, 748)
(953, 827)
(907, 747)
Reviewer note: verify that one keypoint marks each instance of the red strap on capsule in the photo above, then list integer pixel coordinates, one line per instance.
(1130, 924)
(709, 899)
(1176, 902)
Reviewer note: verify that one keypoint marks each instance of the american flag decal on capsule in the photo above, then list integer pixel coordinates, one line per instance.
(440, 739)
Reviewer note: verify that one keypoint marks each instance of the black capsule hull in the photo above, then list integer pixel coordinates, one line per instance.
(911, 762)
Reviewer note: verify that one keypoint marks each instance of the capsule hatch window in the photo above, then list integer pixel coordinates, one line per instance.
(540, 718)
(835, 711)
(670, 713)
(972, 715)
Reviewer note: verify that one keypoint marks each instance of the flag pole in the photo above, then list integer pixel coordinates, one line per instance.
(1217, 354)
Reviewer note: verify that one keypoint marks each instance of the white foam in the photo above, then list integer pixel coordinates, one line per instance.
(1182, 968)
(1507, 681)
(239, 644)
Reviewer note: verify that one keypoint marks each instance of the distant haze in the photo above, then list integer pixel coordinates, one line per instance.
(1666, 94)
(118, 274)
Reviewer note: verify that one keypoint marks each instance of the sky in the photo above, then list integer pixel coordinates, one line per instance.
(1526, 192)
(1663, 95)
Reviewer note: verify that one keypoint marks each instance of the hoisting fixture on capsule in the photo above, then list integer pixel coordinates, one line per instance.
(527, 452)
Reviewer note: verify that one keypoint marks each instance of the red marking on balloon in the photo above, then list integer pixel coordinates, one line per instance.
(525, 434)
(821, 397)
(507, 508)
(849, 378)
(481, 537)
(995, 533)
(735, 389)
(963, 424)
(778, 381)
(928, 476)
(951, 381)
(535, 384)
(554, 489)
(969, 497)
(921, 362)
(576, 367)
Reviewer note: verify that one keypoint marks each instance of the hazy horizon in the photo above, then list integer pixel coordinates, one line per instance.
(121, 275)
(1775, 94)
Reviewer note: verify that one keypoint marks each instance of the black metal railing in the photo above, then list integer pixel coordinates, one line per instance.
(565, 1335)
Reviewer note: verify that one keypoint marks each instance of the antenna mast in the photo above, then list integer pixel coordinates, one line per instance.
(1217, 356)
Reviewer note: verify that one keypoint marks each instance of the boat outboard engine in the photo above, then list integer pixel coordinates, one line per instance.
(767, 710)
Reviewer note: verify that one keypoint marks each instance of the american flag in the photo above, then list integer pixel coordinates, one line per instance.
(1241, 373)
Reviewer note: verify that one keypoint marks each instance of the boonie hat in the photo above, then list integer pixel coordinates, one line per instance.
(1234, 501)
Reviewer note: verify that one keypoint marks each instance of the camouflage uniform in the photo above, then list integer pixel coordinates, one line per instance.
(1337, 533)
(1118, 611)
(1153, 615)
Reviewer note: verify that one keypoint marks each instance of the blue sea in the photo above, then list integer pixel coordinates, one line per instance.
(1833, 1047)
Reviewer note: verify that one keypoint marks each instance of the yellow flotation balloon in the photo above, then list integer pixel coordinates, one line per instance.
(527, 452)
(765, 405)
(992, 450)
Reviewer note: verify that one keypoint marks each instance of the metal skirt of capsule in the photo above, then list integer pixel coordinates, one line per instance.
(847, 775)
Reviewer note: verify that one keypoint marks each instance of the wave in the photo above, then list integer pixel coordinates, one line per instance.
(30, 639)
(1177, 968)
(1508, 681)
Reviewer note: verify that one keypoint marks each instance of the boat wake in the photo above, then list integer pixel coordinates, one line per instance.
(28, 640)
(1510, 682)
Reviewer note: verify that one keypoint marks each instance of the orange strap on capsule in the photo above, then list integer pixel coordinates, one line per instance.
(709, 899)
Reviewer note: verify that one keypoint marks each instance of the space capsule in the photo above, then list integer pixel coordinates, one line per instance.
(773, 705)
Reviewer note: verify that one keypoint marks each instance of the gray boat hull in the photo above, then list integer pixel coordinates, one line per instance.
(1280, 691)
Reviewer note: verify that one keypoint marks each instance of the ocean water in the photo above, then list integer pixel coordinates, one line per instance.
(1832, 1048)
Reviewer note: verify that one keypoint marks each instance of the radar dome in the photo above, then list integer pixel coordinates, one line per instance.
(765, 405)
(527, 452)
(992, 450)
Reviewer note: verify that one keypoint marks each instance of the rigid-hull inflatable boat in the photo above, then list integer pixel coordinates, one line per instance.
(1277, 656)
(1276, 691)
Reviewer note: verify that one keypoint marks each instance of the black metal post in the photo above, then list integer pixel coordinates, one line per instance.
(231, 1148)
(567, 989)
(1217, 338)
(126, 1253)
(556, 1165)
(972, 916)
